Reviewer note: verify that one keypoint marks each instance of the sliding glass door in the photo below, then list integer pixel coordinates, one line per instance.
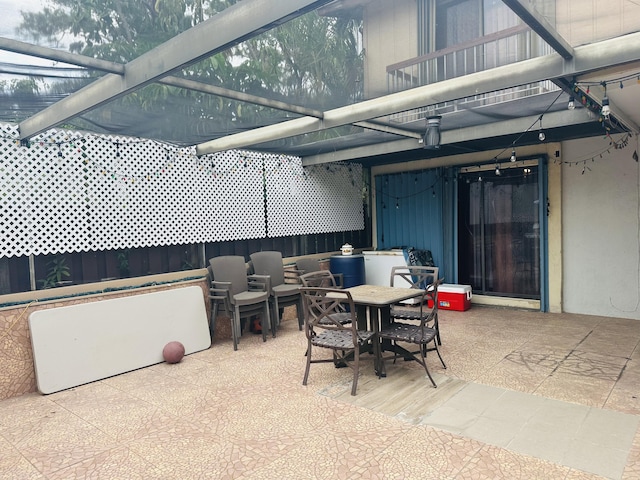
(499, 237)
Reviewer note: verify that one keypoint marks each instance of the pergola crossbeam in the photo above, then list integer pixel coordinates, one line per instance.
(477, 132)
(542, 27)
(24, 48)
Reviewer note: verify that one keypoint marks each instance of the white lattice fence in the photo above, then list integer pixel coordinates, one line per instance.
(314, 199)
(71, 191)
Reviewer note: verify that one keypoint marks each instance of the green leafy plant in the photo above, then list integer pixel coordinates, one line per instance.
(123, 262)
(57, 273)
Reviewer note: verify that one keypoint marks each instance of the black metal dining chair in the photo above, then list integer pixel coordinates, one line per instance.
(324, 327)
(421, 277)
(310, 265)
(319, 278)
(422, 333)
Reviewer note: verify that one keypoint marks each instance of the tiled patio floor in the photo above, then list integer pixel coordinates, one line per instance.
(526, 395)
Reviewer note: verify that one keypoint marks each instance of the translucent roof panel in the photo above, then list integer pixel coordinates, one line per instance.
(261, 63)
(176, 115)
(301, 67)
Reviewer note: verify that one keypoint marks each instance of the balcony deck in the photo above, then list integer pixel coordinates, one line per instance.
(526, 395)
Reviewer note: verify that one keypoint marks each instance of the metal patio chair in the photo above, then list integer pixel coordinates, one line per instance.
(415, 276)
(324, 328)
(421, 333)
(310, 265)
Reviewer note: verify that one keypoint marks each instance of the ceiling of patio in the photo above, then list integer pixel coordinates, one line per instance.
(323, 126)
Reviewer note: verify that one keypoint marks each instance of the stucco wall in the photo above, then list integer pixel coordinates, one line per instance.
(601, 233)
(586, 21)
(389, 37)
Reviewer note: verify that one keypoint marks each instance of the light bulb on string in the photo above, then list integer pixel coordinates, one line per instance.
(572, 104)
(541, 135)
(606, 109)
(513, 155)
(498, 170)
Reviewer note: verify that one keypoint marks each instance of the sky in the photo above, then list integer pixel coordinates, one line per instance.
(10, 18)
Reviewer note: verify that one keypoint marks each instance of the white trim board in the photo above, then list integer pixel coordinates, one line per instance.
(83, 343)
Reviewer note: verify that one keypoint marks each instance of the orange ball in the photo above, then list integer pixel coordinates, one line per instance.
(173, 352)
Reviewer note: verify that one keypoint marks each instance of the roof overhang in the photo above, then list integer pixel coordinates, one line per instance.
(588, 58)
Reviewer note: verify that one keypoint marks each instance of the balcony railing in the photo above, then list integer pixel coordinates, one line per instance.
(501, 48)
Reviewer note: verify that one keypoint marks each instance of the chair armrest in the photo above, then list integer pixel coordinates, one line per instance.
(220, 285)
(339, 279)
(259, 282)
(220, 295)
(292, 275)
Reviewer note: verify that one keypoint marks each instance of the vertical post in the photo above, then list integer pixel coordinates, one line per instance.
(32, 272)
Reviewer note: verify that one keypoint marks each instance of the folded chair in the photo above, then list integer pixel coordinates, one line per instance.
(244, 296)
(324, 328)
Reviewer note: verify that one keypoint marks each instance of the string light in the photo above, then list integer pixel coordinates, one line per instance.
(541, 135)
(207, 164)
(513, 155)
(606, 109)
(572, 104)
(613, 145)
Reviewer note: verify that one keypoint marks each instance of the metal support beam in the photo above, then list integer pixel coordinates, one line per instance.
(240, 96)
(237, 23)
(52, 54)
(386, 129)
(616, 111)
(476, 132)
(541, 26)
(587, 58)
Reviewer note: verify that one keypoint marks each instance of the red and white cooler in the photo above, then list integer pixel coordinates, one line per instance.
(454, 297)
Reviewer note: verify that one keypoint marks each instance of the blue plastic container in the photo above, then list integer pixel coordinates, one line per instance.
(350, 266)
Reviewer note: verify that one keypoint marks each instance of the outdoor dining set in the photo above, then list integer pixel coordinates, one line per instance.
(399, 320)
